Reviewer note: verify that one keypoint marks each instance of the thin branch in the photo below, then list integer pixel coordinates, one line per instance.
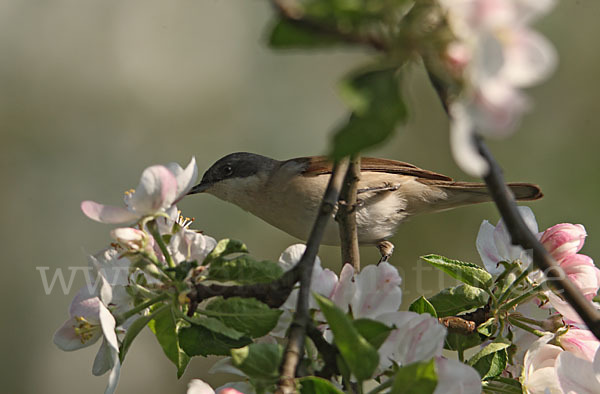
(521, 235)
(295, 345)
(346, 215)
(328, 351)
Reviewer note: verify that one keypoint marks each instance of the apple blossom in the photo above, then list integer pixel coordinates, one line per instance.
(497, 54)
(577, 375)
(580, 342)
(90, 320)
(132, 238)
(539, 372)
(581, 270)
(416, 337)
(494, 243)
(160, 187)
(455, 377)
(190, 245)
(377, 291)
(564, 239)
(197, 386)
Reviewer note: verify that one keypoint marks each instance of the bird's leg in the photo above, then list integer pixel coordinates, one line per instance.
(386, 248)
(387, 187)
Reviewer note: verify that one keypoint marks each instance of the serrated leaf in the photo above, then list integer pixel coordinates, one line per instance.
(243, 270)
(286, 34)
(491, 360)
(468, 273)
(459, 299)
(377, 108)
(166, 328)
(416, 378)
(259, 361)
(422, 305)
(134, 329)
(315, 385)
(375, 332)
(360, 356)
(246, 315)
(225, 247)
(216, 325)
(200, 341)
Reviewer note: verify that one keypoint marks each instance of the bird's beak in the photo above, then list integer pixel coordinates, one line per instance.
(200, 188)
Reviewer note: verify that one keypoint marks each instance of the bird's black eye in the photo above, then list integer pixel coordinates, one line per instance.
(227, 170)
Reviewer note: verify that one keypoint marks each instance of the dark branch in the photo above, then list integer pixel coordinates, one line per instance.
(294, 349)
(346, 215)
(328, 351)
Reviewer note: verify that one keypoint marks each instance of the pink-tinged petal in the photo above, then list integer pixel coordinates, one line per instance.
(455, 377)
(539, 373)
(462, 142)
(197, 386)
(229, 390)
(580, 270)
(156, 191)
(415, 338)
(85, 305)
(530, 58)
(107, 213)
(131, 238)
(237, 387)
(563, 240)
(576, 375)
(580, 342)
(563, 307)
(65, 338)
(487, 248)
(185, 178)
(323, 282)
(344, 289)
(377, 291)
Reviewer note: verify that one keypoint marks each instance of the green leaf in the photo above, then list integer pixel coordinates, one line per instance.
(361, 357)
(501, 384)
(216, 325)
(416, 378)
(225, 247)
(491, 360)
(244, 270)
(134, 329)
(375, 332)
(488, 327)
(455, 300)
(200, 341)
(315, 385)
(468, 273)
(455, 341)
(377, 108)
(260, 361)
(182, 269)
(166, 328)
(246, 315)
(287, 34)
(421, 305)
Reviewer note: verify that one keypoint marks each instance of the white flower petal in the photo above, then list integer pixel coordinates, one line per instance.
(576, 375)
(156, 191)
(185, 178)
(486, 246)
(530, 59)
(462, 143)
(107, 213)
(66, 339)
(377, 291)
(197, 386)
(455, 377)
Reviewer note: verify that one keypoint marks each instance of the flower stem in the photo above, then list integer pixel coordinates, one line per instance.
(121, 319)
(153, 228)
(523, 297)
(527, 320)
(525, 327)
(504, 296)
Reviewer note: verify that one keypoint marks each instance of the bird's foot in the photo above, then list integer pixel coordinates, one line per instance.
(386, 248)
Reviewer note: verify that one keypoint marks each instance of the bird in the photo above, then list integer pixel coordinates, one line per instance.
(287, 194)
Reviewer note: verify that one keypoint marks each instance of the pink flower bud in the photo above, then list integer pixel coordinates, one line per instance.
(580, 269)
(581, 343)
(564, 239)
(131, 238)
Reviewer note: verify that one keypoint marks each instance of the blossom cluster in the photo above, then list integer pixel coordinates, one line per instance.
(566, 358)
(496, 54)
(132, 268)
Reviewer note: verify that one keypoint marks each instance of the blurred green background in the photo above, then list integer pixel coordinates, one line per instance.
(92, 92)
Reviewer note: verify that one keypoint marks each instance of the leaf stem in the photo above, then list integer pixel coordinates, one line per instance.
(121, 319)
(523, 297)
(504, 296)
(525, 327)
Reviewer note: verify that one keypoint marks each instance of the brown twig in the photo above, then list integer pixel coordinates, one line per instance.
(328, 351)
(294, 349)
(346, 215)
(467, 323)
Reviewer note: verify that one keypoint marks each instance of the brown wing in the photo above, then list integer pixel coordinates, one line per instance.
(318, 165)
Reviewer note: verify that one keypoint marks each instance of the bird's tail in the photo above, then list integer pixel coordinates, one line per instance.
(466, 193)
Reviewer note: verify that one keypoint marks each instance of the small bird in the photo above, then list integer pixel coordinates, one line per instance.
(287, 194)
